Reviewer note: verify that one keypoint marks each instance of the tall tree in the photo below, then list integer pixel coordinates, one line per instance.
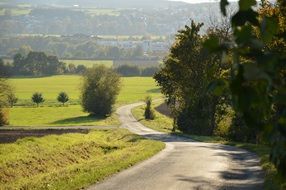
(184, 78)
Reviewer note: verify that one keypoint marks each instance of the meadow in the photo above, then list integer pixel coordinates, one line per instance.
(71, 161)
(51, 113)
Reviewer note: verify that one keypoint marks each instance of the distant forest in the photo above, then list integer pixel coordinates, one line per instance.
(68, 17)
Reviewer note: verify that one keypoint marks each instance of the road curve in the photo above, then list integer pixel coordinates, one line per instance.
(185, 164)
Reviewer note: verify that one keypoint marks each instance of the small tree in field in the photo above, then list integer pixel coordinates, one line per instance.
(149, 112)
(63, 98)
(101, 85)
(37, 98)
(12, 99)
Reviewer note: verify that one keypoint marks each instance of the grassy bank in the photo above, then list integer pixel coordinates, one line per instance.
(70, 161)
(165, 124)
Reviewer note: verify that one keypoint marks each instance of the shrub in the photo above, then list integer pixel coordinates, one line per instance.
(4, 91)
(63, 98)
(4, 116)
(37, 98)
(149, 112)
(101, 85)
(12, 99)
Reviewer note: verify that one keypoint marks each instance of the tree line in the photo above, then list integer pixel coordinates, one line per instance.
(68, 47)
(39, 64)
(132, 70)
(231, 81)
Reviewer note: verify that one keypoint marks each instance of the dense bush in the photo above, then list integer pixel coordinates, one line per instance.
(11, 98)
(184, 78)
(149, 113)
(101, 85)
(4, 116)
(4, 90)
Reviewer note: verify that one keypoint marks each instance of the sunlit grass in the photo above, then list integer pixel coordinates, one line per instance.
(57, 116)
(71, 161)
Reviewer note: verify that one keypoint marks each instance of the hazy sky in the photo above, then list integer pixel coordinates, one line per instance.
(200, 1)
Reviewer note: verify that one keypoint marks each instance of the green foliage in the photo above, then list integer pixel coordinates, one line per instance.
(5, 89)
(100, 88)
(11, 98)
(184, 78)
(3, 68)
(257, 81)
(149, 113)
(40, 64)
(63, 98)
(37, 98)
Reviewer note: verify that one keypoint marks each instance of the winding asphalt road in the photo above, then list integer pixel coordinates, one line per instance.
(185, 164)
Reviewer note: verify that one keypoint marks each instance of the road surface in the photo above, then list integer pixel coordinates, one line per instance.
(185, 164)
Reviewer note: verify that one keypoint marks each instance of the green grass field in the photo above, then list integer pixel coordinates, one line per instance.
(133, 88)
(52, 114)
(57, 116)
(71, 161)
(89, 63)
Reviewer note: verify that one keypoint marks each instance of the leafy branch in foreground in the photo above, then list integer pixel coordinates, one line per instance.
(258, 74)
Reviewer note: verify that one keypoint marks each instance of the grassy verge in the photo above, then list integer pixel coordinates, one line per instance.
(164, 124)
(71, 161)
